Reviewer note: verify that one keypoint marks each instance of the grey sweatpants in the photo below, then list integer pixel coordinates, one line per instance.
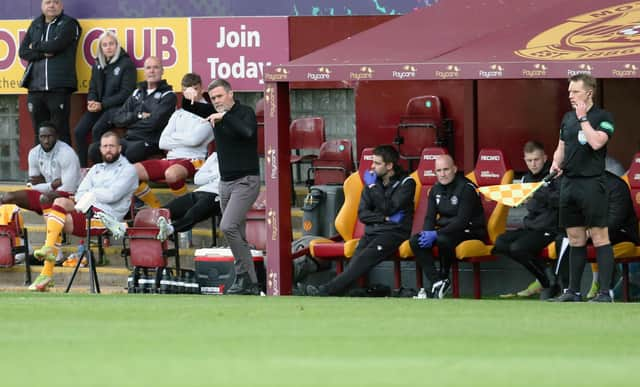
(236, 198)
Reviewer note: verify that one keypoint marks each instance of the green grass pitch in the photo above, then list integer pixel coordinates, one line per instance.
(153, 340)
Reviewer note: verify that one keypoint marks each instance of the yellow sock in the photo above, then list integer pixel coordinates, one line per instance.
(55, 224)
(144, 193)
(594, 267)
(180, 191)
(47, 269)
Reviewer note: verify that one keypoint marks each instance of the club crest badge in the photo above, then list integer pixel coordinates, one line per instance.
(603, 33)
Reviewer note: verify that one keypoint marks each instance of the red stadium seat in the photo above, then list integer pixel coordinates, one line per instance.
(14, 239)
(491, 169)
(422, 125)
(305, 134)
(333, 164)
(144, 249)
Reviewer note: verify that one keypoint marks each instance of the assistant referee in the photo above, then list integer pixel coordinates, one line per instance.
(580, 157)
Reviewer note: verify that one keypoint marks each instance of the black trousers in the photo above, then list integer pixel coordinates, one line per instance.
(96, 123)
(446, 243)
(524, 246)
(371, 250)
(133, 149)
(51, 106)
(194, 207)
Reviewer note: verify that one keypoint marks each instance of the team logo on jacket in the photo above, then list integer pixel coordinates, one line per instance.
(604, 33)
(116, 71)
(454, 200)
(157, 95)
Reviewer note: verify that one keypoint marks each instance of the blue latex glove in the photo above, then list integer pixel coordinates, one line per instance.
(370, 177)
(397, 217)
(427, 238)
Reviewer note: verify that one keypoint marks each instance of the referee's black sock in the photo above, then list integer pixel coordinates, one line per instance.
(577, 262)
(604, 257)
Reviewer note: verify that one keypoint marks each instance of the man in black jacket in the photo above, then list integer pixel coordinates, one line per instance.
(144, 114)
(50, 48)
(540, 226)
(455, 214)
(236, 134)
(386, 209)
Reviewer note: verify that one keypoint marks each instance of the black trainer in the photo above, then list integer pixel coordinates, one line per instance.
(316, 291)
(602, 297)
(568, 296)
(243, 286)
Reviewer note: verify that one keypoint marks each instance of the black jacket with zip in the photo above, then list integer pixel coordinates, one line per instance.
(542, 207)
(59, 39)
(379, 202)
(160, 104)
(114, 83)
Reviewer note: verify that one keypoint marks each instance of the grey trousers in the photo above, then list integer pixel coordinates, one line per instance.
(236, 199)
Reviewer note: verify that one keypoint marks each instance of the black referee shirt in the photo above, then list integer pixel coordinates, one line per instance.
(580, 160)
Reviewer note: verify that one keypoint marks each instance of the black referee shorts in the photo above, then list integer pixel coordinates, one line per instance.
(583, 202)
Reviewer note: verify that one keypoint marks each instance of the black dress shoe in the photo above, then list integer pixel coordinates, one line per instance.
(243, 286)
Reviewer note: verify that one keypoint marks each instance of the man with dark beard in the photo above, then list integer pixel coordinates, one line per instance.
(107, 188)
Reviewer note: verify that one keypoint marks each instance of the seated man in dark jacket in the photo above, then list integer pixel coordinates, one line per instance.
(144, 114)
(386, 209)
(455, 214)
(540, 226)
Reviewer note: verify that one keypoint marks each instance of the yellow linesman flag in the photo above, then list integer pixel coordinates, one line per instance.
(511, 195)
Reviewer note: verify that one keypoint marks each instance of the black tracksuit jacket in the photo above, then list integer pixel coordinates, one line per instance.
(378, 202)
(58, 38)
(160, 104)
(114, 83)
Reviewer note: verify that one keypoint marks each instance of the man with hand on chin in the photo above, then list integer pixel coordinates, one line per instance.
(386, 209)
(580, 157)
(454, 215)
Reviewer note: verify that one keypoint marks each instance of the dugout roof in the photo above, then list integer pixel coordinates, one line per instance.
(471, 39)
